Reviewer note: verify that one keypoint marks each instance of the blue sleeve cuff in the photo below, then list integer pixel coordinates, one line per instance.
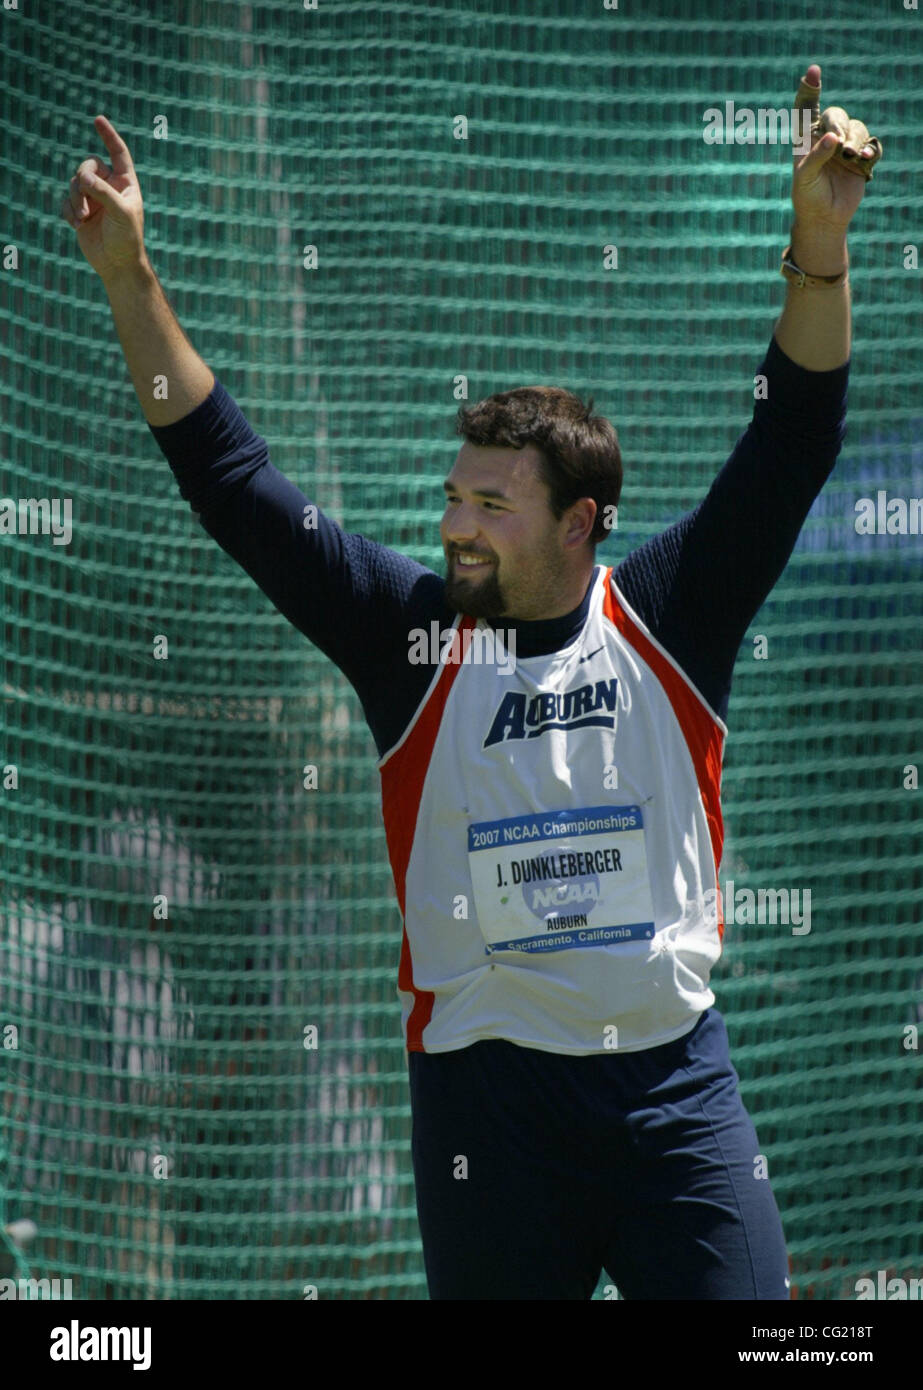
(212, 451)
(800, 387)
(216, 427)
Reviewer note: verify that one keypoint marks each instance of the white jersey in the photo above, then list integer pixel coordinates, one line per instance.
(554, 830)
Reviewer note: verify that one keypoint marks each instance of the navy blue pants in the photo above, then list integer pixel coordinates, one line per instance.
(536, 1171)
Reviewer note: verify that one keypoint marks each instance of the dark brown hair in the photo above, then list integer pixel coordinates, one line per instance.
(579, 450)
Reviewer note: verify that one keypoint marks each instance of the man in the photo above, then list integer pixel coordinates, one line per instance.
(553, 812)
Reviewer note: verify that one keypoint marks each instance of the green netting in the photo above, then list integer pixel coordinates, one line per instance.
(162, 1121)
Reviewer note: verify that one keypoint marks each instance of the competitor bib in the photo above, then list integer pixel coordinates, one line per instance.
(561, 880)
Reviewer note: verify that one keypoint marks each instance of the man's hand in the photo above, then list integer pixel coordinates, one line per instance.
(104, 207)
(825, 194)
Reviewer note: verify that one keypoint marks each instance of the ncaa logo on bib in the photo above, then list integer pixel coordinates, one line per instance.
(559, 903)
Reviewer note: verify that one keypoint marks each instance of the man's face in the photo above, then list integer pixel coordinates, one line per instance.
(498, 513)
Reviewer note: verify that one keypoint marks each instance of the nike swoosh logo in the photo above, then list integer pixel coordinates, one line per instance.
(589, 656)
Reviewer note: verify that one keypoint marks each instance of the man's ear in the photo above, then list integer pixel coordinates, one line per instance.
(581, 518)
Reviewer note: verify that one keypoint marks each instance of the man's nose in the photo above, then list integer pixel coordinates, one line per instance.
(462, 524)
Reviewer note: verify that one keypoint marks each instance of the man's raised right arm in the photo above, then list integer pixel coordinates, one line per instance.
(355, 599)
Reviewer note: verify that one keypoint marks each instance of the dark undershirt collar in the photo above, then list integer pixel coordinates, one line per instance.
(546, 635)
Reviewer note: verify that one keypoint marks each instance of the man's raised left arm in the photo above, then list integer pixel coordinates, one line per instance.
(814, 329)
(698, 585)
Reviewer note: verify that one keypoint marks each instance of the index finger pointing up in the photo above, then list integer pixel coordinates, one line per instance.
(808, 93)
(118, 150)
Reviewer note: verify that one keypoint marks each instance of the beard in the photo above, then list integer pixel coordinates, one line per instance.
(479, 598)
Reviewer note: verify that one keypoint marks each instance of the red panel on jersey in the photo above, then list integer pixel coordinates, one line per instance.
(702, 732)
(402, 778)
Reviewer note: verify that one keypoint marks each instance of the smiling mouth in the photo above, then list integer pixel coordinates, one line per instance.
(471, 564)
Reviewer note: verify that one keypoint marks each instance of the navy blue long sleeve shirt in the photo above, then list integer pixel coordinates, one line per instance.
(697, 585)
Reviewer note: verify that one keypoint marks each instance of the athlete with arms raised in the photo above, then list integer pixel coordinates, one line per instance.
(574, 1105)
